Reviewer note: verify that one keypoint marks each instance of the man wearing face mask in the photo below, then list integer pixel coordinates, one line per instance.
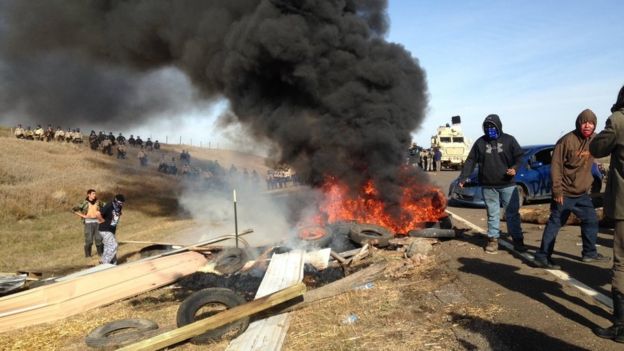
(571, 181)
(498, 156)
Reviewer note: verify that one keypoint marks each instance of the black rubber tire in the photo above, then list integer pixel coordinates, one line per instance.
(321, 242)
(445, 223)
(432, 233)
(340, 232)
(103, 337)
(374, 234)
(155, 249)
(192, 304)
(230, 260)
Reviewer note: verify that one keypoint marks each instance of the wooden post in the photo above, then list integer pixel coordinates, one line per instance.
(228, 316)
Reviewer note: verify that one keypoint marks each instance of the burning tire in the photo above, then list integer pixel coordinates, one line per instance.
(340, 232)
(208, 302)
(371, 233)
(315, 236)
(119, 333)
(230, 260)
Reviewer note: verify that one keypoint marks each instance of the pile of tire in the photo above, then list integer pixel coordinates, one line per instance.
(344, 235)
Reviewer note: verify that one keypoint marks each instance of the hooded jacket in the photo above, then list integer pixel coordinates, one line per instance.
(494, 157)
(570, 170)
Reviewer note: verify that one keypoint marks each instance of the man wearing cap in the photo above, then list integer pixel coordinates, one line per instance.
(498, 156)
(572, 179)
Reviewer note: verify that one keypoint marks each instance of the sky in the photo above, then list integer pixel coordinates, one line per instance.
(537, 64)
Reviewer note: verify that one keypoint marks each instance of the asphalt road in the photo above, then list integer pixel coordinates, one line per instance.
(539, 310)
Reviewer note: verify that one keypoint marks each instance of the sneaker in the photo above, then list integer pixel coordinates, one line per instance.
(492, 246)
(518, 245)
(597, 258)
(546, 263)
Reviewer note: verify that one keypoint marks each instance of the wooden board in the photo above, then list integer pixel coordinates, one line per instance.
(79, 294)
(269, 333)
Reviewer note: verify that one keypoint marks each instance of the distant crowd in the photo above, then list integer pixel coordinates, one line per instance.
(428, 160)
(48, 134)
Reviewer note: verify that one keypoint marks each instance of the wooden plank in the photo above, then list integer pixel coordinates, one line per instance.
(319, 259)
(62, 299)
(269, 333)
(80, 285)
(228, 316)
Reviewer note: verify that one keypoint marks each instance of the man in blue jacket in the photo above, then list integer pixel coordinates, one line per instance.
(498, 156)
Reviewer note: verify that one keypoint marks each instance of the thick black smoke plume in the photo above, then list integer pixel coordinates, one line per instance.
(314, 77)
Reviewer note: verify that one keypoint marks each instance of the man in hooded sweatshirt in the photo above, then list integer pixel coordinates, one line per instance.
(572, 179)
(611, 142)
(498, 156)
(109, 220)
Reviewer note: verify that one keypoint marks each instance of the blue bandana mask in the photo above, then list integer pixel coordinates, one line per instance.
(492, 133)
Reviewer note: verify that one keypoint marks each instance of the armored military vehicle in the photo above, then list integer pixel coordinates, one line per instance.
(452, 143)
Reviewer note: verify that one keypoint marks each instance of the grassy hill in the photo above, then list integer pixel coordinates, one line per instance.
(40, 182)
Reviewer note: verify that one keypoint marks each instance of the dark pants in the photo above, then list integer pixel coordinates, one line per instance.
(583, 208)
(618, 257)
(92, 234)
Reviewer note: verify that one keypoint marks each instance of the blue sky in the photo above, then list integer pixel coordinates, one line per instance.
(536, 64)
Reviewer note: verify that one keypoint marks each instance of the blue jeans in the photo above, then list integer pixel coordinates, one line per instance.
(583, 208)
(507, 198)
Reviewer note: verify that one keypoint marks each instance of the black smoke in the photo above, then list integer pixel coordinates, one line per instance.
(313, 77)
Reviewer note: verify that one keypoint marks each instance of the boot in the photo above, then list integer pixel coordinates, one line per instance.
(616, 331)
(87, 251)
(100, 249)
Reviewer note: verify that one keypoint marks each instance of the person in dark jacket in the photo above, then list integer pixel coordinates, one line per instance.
(610, 142)
(437, 158)
(498, 156)
(109, 220)
(571, 173)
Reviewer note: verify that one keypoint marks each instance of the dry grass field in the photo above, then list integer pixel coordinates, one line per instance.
(40, 182)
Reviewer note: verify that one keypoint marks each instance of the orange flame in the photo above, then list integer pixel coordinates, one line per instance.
(420, 203)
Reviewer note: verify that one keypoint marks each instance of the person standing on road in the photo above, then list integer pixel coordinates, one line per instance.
(498, 156)
(87, 210)
(571, 174)
(610, 142)
(109, 219)
(437, 158)
(429, 160)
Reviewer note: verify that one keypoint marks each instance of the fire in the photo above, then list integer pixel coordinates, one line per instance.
(420, 203)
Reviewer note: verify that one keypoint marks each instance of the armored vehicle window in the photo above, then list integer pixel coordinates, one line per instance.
(458, 139)
(445, 139)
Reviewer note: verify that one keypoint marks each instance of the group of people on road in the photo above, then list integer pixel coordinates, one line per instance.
(100, 224)
(498, 156)
(429, 160)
